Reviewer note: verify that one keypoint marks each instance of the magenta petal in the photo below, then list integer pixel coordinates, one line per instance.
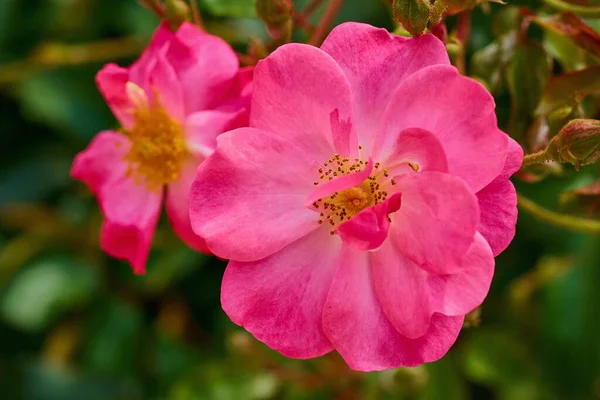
(402, 290)
(461, 293)
(356, 325)
(375, 63)
(498, 204)
(411, 296)
(203, 127)
(248, 198)
(514, 158)
(131, 213)
(459, 112)
(418, 147)
(208, 73)
(341, 183)
(295, 91)
(140, 71)
(280, 299)
(102, 161)
(178, 207)
(437, 221)
(167, 87)
(111, 81)
(368, 229)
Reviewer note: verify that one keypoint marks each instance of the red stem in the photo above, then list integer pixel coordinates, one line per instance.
(327, 19)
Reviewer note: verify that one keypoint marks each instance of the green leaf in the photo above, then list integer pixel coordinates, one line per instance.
(41, 292)
(528, 73)
(113, 340)
(569, 89)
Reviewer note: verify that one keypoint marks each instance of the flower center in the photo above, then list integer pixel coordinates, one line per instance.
(345, 204)
(158, 147)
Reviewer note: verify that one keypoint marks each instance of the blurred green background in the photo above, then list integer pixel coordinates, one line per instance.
(75, 324)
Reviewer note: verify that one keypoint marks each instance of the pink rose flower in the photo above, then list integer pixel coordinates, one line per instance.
(184, 90)
(363, 207)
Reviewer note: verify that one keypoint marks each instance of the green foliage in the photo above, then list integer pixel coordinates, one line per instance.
(77, 325)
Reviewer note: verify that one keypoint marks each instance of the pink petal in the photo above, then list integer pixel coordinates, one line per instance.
(206, 71)
(411, 296)
(459, 112)
(102, 161)
(340, 183)
(166, 86)
(178, 206)
(247, 200)
(375, 62)
(131, 212)
(514, 158)
(111, 81)
(402, 290)
(280, 299)
(460, 293)
(368, 229)
(437, 221)
(498, 203)
(141, 69)
(357, 327)
(203, 127)
(418, 147)
(295, 91)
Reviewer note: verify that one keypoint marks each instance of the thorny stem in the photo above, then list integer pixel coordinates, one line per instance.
(54, 55)
(590, 12)
(325, 22)
(155, 6)
(557, 219)
(539, 157)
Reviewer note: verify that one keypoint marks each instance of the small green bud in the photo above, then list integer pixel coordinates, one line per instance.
(412, 14)
(577, 143)
(274, 12)
(177, 12)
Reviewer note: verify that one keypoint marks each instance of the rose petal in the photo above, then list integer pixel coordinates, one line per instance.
(368, 229)
(295, 91)
(102, 161)
(437, 221)
(411, 296)
(131, 212)
(247, 200)
(459, 112)
(418, 147)
(178, 206)
(355, 323)
(203, 127)
(280, 299)
(111, 81)
(375, 63)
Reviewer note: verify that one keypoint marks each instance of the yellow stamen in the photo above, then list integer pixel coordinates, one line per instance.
(158, 146)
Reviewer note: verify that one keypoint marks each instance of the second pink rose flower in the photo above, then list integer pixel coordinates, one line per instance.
(184, 90)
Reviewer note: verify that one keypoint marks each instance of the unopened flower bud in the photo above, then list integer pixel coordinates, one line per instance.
(277, 16)
(177, 12)
(577, 143)
(412, 14)
(274, 12)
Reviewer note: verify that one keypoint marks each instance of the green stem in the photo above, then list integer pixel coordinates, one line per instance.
(591, 12)
(557, 219)
(536, 158)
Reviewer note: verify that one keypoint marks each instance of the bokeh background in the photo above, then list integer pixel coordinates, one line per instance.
(75, 324)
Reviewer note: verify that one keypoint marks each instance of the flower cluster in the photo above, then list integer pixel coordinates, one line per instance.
(360, 190)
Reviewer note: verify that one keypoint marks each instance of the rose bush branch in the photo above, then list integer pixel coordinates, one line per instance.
(55, 55)
(557, 219)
